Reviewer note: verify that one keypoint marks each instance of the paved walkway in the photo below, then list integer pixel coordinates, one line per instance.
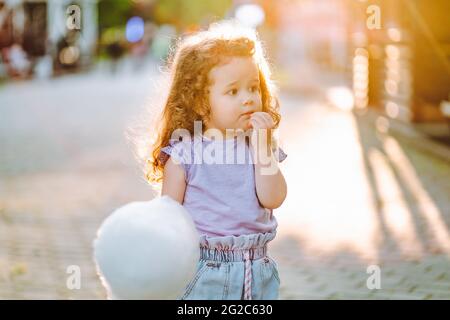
(357, 196)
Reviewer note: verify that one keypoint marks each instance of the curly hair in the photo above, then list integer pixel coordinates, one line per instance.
(189, 64)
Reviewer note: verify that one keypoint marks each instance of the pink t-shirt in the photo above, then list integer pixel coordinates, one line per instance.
(221, 195)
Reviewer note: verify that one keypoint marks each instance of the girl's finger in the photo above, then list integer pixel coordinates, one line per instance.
(263, 120)
(257, 123)
(252, 123)
(268, 119)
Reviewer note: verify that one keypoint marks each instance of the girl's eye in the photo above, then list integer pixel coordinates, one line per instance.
(254, 88)
(232, 92)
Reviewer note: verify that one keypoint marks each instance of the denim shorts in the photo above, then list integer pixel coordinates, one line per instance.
(234, 268)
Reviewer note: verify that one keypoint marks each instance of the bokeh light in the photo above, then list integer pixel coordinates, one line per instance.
(69, 55)
(135, 29)
(341, 97)
(250, 15)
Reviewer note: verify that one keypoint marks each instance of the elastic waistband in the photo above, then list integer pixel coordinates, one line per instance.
(233, 255)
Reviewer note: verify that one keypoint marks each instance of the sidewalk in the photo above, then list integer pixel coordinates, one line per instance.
(399, 219)
(354, 199)
(409, 133)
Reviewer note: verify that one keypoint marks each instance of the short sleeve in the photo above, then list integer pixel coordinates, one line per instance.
(179, 151)
(279, 154)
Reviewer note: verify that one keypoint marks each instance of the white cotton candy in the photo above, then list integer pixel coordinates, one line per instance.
(147, 250)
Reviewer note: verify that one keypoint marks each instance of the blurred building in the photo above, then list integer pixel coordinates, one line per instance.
(311, 42)
(44, 30)
(403, 67)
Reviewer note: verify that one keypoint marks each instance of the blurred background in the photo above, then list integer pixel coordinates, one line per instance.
(365, 91)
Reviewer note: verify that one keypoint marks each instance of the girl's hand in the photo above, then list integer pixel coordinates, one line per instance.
(258, 121)
(261, 120)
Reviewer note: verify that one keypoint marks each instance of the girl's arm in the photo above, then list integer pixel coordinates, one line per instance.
(174, 183)
(271, 187)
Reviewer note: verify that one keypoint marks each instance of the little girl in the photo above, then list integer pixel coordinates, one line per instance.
(222, 173)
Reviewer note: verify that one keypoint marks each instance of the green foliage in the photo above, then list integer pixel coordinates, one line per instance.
(112, 13)
(183, 13)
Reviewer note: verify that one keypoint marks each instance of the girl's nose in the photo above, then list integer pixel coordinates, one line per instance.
(248, 102)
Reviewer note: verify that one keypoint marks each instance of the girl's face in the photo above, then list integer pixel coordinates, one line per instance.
(234, 94)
